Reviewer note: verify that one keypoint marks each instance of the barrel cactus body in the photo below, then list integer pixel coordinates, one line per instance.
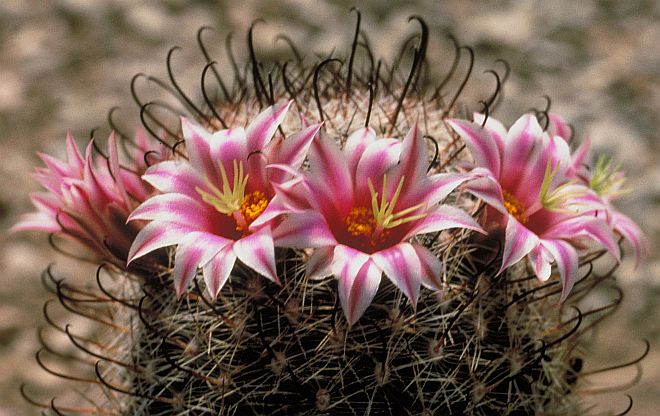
(487, 339)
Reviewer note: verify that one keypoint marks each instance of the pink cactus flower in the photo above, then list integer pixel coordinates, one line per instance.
(89, 200)
(532, 196)
(361, 207)
(607, 182)
(212, 205)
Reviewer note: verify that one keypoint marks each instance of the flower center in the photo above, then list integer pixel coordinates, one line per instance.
(384, 212)
(552, 197)
(232, 200)
(375, 222)
(360, 221)
(514, 207)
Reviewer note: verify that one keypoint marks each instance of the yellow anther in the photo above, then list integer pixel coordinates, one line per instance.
(360, 221)
(251, 207)
(514, 207)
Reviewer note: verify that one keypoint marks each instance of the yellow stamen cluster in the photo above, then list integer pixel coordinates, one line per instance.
(231, 200)
(514, 207)
(375, 222)
(360, 221)
(252, 206)
(384, 212)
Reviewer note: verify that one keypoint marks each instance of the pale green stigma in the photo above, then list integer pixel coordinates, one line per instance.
(606, 179)
(229, 199)
(383, 212)
(557, 198)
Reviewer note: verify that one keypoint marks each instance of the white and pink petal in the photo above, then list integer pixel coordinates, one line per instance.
(218, 269)
(256, 171)
(293, 194)
(115, 171)
(566, 258)
(442, 184)
(495, 128)
(274, 210)
(540, 259)
(193, 251)
(175, 176)
(414, 159)
(402, 266)
(518, 242)
(356, 144)
(489, 190)
(443, 217)
(319, 264)
(198, 140)
(307, 229)
(73, 157)
(36, 221)
(261, 130)
(156, 235)
(483, 148)
(291, 151)
(431, 267)
(521, 141)
(257, 251)
(377, 159)
(587, 226)
(359, 279)
(176, 209)
(557, 126)
(579, 159)
(625, 226)
(225, 147)
(330, 182)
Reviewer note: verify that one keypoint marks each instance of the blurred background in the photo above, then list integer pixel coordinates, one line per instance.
(65, 63)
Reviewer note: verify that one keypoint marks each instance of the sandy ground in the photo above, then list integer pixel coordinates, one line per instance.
(64, 63)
